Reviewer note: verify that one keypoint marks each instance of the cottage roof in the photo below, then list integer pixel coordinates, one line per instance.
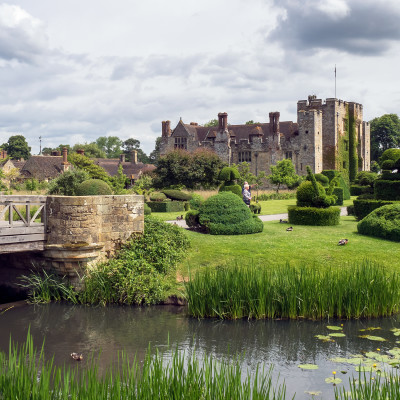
(111, 166)
(42, 167)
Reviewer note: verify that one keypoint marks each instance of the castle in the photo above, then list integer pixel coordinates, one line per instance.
(329, 134)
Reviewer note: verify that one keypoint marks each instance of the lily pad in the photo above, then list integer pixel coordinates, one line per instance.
(342, 360)
(308, 366)
(337, 334)
(370, 329)
(379, 357)
(395, 351)
(364, 368)
(396, 331)
(376, 338)
(324, 338)
(313, 393)
(335, 328)
(333, 380)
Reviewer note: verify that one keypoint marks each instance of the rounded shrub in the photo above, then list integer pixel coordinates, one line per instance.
(387, 165)
(226, 214)
(228, 174)
(156, 196)
(314, 216)
(389, 154)
(147, 209)
(363, 207)
(322, 179)
(305, 194)
(236, 189)
(196, 201)
(177, 195)
(366, 178)
(192, 218)
(93, 187)
(383, 222)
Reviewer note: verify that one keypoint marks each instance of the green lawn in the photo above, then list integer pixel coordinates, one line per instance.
(307, 245)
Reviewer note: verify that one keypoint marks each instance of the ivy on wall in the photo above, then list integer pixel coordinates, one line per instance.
(353, 156)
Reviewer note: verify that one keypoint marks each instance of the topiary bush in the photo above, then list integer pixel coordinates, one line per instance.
(147, 209)
(226, 214)
(236, 189)
(383, 222)
(192, 218)
(177, 195)
(166, 206)
(93, 187)
(322, 179)
(306, 193)
(387, 190)
(314, 216)
(363, 207)
(338, 192)
(255, 208)
(196, 201)
(357, 190)
(366, 178)
(229, 175)
(389, 154)
(387, 165)
(156, 196)
(331, 174)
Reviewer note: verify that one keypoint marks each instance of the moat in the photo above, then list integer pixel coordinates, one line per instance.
(104, 331)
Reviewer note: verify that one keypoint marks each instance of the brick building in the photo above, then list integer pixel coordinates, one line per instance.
(328, 134)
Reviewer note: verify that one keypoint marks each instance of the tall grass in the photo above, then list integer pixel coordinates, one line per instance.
(286, 292)
(25, 374)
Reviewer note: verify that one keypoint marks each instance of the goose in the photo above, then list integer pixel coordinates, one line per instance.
(77, 357)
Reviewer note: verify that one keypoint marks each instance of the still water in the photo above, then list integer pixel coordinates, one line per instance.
(283, 343)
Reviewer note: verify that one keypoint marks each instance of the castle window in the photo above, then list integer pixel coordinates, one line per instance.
(288, 155)
(244, 156)
(180, 143)
(301, 166)
(344, 164)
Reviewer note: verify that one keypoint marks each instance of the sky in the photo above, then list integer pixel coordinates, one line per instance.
(72, 71)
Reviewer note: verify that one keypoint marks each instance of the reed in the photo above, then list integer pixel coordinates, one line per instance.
(286, 292)
(25, 374)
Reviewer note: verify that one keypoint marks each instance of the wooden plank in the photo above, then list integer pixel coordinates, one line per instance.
(22, 230)
(23, 199)
(22, 238)
(17, 248)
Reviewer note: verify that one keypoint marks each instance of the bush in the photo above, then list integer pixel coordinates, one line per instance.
(390, 176)
(66, 183)
(350, 210)
(387, 165)
(322, 179)
(314, 216)
(226, 214)
(366, 178)
(383, 222)
(330, 173)
(93, 187)
(387, 190)
(363, 207)
(236, 189)
(255, 208)
(357, 190)
(166, 206)
(276, 196)
(196, 201)
(229, 174)
(192, 218)
(338, 192)
(147, 209)
(389, 154)
(177, 195)
(156, 196)
(305, 193)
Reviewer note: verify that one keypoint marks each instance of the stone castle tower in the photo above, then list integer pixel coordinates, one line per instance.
(328, 134)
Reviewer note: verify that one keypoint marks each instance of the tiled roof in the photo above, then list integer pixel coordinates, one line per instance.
(111, 166)
(42, 167)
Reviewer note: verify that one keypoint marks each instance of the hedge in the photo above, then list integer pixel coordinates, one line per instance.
(390, 176)
(383, 222)
(338, 192)
(357, 190)
(331, 173)
(362, 207)
(305, 193)
(252, 225)
(314, 216)
(236, 189)
(157, 196)
(147, 209)
(166, 206)
(255, 208)
(387, 190)
(177, 195)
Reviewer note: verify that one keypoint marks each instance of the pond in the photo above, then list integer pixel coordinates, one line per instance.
(283, 343)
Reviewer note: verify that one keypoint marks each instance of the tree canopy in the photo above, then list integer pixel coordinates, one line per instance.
(283, 173)
(385, 134)
(17, 147)
(111, 145)
(92, 150)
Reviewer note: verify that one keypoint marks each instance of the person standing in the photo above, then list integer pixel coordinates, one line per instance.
(246, 194)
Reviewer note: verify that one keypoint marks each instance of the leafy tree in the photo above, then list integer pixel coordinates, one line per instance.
(11, 175)
(251, 122)
(143, 185)
(212, 122)
(134, 144)
(17, 147)
(66, 183)
(92, 150)
(111, 145)
(46, 151)
(31, 184)
(385, 134)
(283, 173)
(120, 181)
(85, 163)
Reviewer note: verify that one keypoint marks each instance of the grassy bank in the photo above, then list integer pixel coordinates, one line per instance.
(24, 374)
(236, 292)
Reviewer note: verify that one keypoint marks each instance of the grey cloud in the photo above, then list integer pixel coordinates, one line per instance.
(367, 29)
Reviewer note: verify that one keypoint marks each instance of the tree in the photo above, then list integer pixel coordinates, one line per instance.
(11, 175)
(385, 134)
(31, 184)
(92, 150)
(133, 144)
(111, 145)
(251, 122)
(66, 183)
(283, 173)
(85, 163)
(212, 122)
(120, 181)
(17, 147)
(155, 154)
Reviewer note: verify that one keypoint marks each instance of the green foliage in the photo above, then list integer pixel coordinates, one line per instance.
(226, 214)
(147, 209)
(350, 210)
(196, 201)
(17, 147)
(192, 218)
(133, 144)
(93, 187)
(314, 216)
(322, 179)
(155, 154)
(255, 208)
(306, 193)
(212, 122)
(353, 144)
(283, 173)
(338, 192)
(119, 181)
(31, 184)
(357, 190)
(387, 165)
(390, 176)
(157, 196)
(85, 163)
(236, 189)
(234, 292)
(92, 150)
(229, 175)
(375, 167)
(166, 206)
(383, 222)
(331, 174)
(389, 154)
(177, 195)
(385, 134)
(362, 207)
(191, 170)
(66, 183)
(387, 190)
(276, 196)
(111, 145)
(143, 185)
(366, 178)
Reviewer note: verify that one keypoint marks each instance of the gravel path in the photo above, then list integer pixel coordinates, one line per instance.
(264, 218)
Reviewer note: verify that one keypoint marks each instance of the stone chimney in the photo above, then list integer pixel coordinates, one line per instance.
(122, 157)
(166, 129)
(81, 152)
(222, 121)
(65, 164)
(274, 122)
(134, 156)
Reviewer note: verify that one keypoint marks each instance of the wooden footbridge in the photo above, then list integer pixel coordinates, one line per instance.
(22, 223)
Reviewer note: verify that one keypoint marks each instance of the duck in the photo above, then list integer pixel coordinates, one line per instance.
(283, 221)
(289, 229)
(77, 357)
(179, 218)
(342, 242)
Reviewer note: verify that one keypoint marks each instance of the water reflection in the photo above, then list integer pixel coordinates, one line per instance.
(286, 344)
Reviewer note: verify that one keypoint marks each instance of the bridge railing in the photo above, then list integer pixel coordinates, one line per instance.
(20, 230)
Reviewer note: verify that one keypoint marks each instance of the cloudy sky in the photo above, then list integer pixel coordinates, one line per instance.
(74, 70)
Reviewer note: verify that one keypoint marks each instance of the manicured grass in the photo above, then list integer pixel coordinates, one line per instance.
(305, 245)
(168, 216)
